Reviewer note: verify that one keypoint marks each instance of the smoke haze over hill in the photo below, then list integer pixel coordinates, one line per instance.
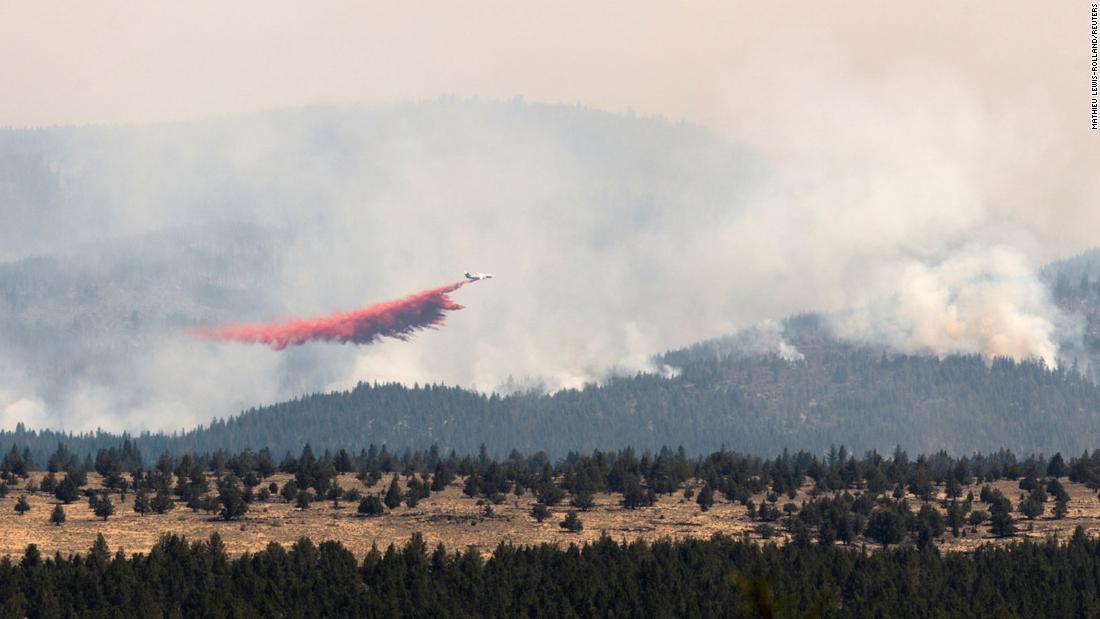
(613, 238)
(781, 160)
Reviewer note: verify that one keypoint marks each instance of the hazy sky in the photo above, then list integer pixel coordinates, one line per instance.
(1022, 63)
(121, 61)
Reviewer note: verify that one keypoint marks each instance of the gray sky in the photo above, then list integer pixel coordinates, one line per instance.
(1022, 64)
(118, 61)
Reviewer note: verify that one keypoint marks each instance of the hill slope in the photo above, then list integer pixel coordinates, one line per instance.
(729, 392)
(754, 404)
(116, 237)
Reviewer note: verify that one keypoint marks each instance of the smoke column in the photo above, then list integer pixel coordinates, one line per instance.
(398, 319)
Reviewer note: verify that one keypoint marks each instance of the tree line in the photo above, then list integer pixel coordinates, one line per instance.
(720, 577)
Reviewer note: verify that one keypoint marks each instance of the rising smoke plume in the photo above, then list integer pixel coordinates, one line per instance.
(984, 300)
(398, 319)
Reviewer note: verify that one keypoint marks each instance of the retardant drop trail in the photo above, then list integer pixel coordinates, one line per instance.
(398, 319)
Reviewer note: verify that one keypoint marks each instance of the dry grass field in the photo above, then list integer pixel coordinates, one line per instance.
(449, 517)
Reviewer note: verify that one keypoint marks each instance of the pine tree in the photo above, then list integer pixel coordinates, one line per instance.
(540, 512)
(66, 491)
(1057, 466)
(929, 525)
(886, 526)
(394, 495)
(1057, 490)
(953, 489)
(549, 493)
(48, 484)
(141, 502)
(634, 496)
(956, 517)
(104, 507)
(289, 491)
(1031, 506)
(58, 515)
(471, 486)
(232, 502)
(705, 499)
(1061, 508)
(162, 502)
(1000, 521)
(342, 462)
(442, 477)
(583, 500)
(22, 506)
(371, 505)
(899, 491)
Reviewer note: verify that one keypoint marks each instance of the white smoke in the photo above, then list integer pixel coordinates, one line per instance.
(765, 338)
(897, 197)
(979, 300)
(29, 411)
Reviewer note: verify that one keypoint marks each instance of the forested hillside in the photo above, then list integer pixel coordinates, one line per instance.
(811, 392)
(755, 404)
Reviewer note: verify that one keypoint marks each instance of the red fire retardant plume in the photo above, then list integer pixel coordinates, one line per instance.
(397, 319)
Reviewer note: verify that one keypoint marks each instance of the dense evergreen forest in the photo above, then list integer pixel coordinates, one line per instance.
(756, 404)
(716, 578)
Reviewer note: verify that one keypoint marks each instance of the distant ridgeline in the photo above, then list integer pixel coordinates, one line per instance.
(836, 395)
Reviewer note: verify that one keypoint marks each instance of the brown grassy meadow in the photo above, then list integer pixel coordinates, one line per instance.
(448, 517)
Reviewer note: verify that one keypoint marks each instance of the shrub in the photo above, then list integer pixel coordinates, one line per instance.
(371, 505)
(572, 522)
(540, 512)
